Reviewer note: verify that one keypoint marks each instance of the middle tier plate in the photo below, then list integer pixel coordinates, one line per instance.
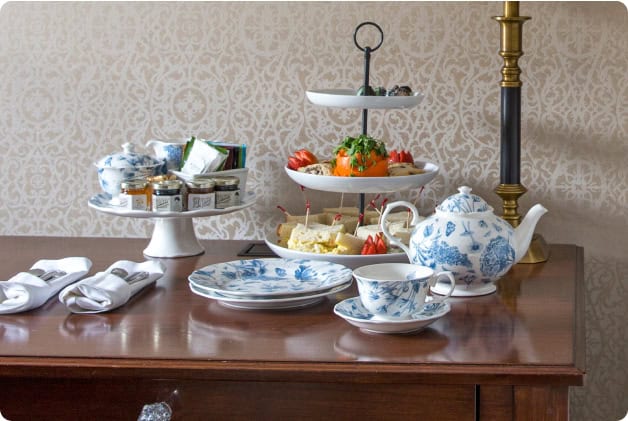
(336, 184)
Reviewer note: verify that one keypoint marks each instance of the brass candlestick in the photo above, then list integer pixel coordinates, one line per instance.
(510, 187)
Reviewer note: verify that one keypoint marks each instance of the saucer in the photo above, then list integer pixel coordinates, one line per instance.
(354, 312)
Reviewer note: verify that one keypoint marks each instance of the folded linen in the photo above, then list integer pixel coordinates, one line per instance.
(106, 291)
(25, 291)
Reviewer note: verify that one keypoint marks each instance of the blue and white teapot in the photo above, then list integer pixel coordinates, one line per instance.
(465, 237)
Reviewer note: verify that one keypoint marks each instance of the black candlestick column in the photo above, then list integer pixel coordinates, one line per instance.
(510, 167)
(510, 187)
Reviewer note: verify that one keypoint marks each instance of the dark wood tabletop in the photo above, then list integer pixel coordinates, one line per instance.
(530, 332)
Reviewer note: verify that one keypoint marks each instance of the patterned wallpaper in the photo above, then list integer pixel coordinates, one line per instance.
(81, 78)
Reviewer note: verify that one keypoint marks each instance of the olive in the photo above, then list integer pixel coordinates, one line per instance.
(365, 91)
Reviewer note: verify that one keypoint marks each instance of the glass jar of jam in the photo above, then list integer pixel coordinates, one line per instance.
(227, 190)
(200, 194)
(135, 195)
(167, 196)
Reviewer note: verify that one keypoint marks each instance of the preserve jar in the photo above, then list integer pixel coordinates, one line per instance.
(227, 190)
(134, 195)
(167, 196)
(200, 194)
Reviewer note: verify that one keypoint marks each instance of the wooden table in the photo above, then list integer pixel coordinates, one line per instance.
(510, 355)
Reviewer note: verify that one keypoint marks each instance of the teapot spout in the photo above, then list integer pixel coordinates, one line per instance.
(525, 230)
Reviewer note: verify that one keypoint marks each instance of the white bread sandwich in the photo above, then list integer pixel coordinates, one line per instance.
(315, 238)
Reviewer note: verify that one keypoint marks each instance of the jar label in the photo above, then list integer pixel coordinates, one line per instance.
(133, 201)
(171, 203)
(200, 201)
(227, 199)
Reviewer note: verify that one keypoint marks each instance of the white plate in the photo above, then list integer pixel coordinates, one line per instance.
(354, 312)
(267, 304)
(349, 260)
(101, 202)
(332, 183)
(347, 98)
(268, 278)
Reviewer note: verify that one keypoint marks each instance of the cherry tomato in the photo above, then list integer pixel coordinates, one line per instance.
(369, 246)
(400, 156)
(380, 244)
(306, 156)
(301, 158)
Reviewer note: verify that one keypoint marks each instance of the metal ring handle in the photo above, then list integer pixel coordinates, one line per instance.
(355, 36)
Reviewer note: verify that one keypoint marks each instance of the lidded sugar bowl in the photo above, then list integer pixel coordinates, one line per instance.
(126, 165)
(465, 236)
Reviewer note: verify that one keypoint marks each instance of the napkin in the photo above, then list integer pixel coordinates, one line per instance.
(25, 292)
(106, 291)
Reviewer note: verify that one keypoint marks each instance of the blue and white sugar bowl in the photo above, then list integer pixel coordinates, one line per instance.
(465, 237)
(125, 165)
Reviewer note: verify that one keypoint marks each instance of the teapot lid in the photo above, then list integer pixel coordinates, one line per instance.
(128, 158)
(464, 202)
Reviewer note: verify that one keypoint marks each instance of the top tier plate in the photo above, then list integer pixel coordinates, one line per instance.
(346, 98)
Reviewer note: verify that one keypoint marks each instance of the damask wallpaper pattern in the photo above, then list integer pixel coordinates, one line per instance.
(81, 78)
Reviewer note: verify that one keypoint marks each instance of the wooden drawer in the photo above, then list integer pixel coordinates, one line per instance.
(122, 399)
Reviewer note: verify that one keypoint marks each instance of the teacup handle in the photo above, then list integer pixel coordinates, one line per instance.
(384, 227)
(452, 281)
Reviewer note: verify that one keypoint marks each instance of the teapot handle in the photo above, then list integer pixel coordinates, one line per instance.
(384, 226)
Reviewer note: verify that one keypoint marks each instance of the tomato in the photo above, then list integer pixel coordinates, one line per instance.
(294, 163)
(361, 156)
(400, 156)
(374, 246)
(301, 158)
(306, 156)
(380, 244)
(369, 246)
(373, 166)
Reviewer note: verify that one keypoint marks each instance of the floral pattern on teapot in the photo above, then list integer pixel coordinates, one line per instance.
(465, 237)
(434, 248)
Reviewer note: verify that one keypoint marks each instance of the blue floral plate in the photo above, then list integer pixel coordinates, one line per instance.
(269, 303)
(354, 312)
(272, 277)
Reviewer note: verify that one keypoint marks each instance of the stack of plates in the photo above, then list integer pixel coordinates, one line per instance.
(272, 283)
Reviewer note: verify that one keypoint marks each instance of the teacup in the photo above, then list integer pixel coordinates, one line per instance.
(396, 291)
(169, 151)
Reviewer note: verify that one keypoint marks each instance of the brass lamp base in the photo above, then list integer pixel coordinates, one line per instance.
(538, 251)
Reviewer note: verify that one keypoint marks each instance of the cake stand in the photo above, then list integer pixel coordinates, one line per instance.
(173, 234)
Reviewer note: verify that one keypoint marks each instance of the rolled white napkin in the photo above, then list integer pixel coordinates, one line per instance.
(25, 291)
(106, 291)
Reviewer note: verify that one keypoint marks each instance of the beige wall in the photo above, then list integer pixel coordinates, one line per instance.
(80, 79)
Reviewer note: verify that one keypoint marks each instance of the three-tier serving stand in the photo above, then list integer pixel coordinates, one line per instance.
(348, 98)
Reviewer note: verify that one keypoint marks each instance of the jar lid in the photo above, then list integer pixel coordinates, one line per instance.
(167, 185)
(201, 183)
(464, 202)
(133, 184)
(128, 158)
(227, 181)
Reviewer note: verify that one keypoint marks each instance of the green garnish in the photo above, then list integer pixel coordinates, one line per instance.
(361, 145)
